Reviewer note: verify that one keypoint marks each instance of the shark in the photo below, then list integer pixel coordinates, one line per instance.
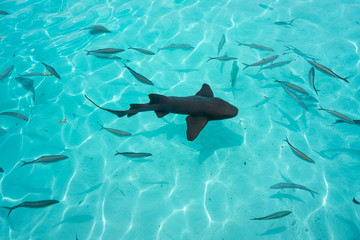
(200, 108)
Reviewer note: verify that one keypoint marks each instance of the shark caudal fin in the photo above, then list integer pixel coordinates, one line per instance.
(118, 113)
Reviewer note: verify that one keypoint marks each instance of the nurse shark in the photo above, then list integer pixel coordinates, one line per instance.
(200, 108)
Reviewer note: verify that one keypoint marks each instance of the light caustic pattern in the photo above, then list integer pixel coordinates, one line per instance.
(206, 189)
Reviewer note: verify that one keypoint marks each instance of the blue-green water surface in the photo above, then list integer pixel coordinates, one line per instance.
(208, 188)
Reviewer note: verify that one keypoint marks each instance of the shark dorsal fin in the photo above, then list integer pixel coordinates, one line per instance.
(194, 126)
(156, 98)
(205, 91)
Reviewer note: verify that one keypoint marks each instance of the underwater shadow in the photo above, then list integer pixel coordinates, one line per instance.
(282, 196)
(273, 231)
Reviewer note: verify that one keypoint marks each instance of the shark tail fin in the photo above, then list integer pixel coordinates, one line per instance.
(118, 113)
(246, 66)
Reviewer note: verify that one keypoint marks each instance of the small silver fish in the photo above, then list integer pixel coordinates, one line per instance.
(133, 154)
(105, 56)
(234, 73)
(294, 96)
(293, 185)
(327, 70)
(13, 114)
(46, 159)
(6, 72)
(139, 77)
(106, 50)
(299, 153)
(285, 23)
(256, 46)
(224, 58)
(52, 70)
(339, 115)
(33, 204)
(116, 131)
(144, 51)
(274, 215)
(293, 86)
(96, 29)
(221, 43)
(312, 79)
(277, 64)
(262, 62)
(177, 46)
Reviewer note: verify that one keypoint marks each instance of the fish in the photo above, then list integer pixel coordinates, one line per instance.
(33, 204)
(293, 86)
(224, 58)
(116, 131)
(294, 96)
(46, 159)
(274, 215)
(201, 108)
(299, 153)
(292, 185)
(1, 169)
(144, 51)
(327, 70)
(221, 43)
(337, 114)
(356, 122)
(262, 62)
(312, 79)
(356, 201)
(234, 73)
(265, 7)
(285, 23)
(256, 46)
(27, 84)
(105, 56)
(277, 64)
(96, 29)
(138, 76)
(105, 50)
(33, 74)
(298, 52)
(6, 72)
(133, 154)
(13, 114)
(177, 46)
(4, 13)
(52, 70)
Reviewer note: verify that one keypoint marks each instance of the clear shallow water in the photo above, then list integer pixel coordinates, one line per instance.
(185, 190)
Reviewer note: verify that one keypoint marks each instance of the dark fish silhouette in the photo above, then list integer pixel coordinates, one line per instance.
(52, 70)
(327, 71)
(13, 114)
(6, 72)
(116, 131)
(312, 79)
(144, 51)
(96, 29)
(299, 153)
(356, 201)
(177, 46)
(138, 76)
(285, 23)
(46, 159)
(262, 62)
(293, 185)
(201, 108)
(221, 43)
(133, 154)
(274, 216)
(27, 84)
(36, 204)
(234, 73)
(4, 13)
(106, 50)
(1, 169)
(256, 46)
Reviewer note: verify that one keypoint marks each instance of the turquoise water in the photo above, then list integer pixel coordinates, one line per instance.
(211, 187)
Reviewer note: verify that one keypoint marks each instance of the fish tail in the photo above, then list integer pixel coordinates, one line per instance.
(118, 113)
(87, 52)
(158, 49)
(291, 21)
(10, 210)
(102, 127)
(320, 108)
(129, 46)
(239, 43)
(246, 66)
(209, 59)
(312, 193)
(286, 140)
(25, 163)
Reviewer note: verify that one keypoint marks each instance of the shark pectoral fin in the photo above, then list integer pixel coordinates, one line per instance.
(160, 114)
(194, 126)
(205, 91)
